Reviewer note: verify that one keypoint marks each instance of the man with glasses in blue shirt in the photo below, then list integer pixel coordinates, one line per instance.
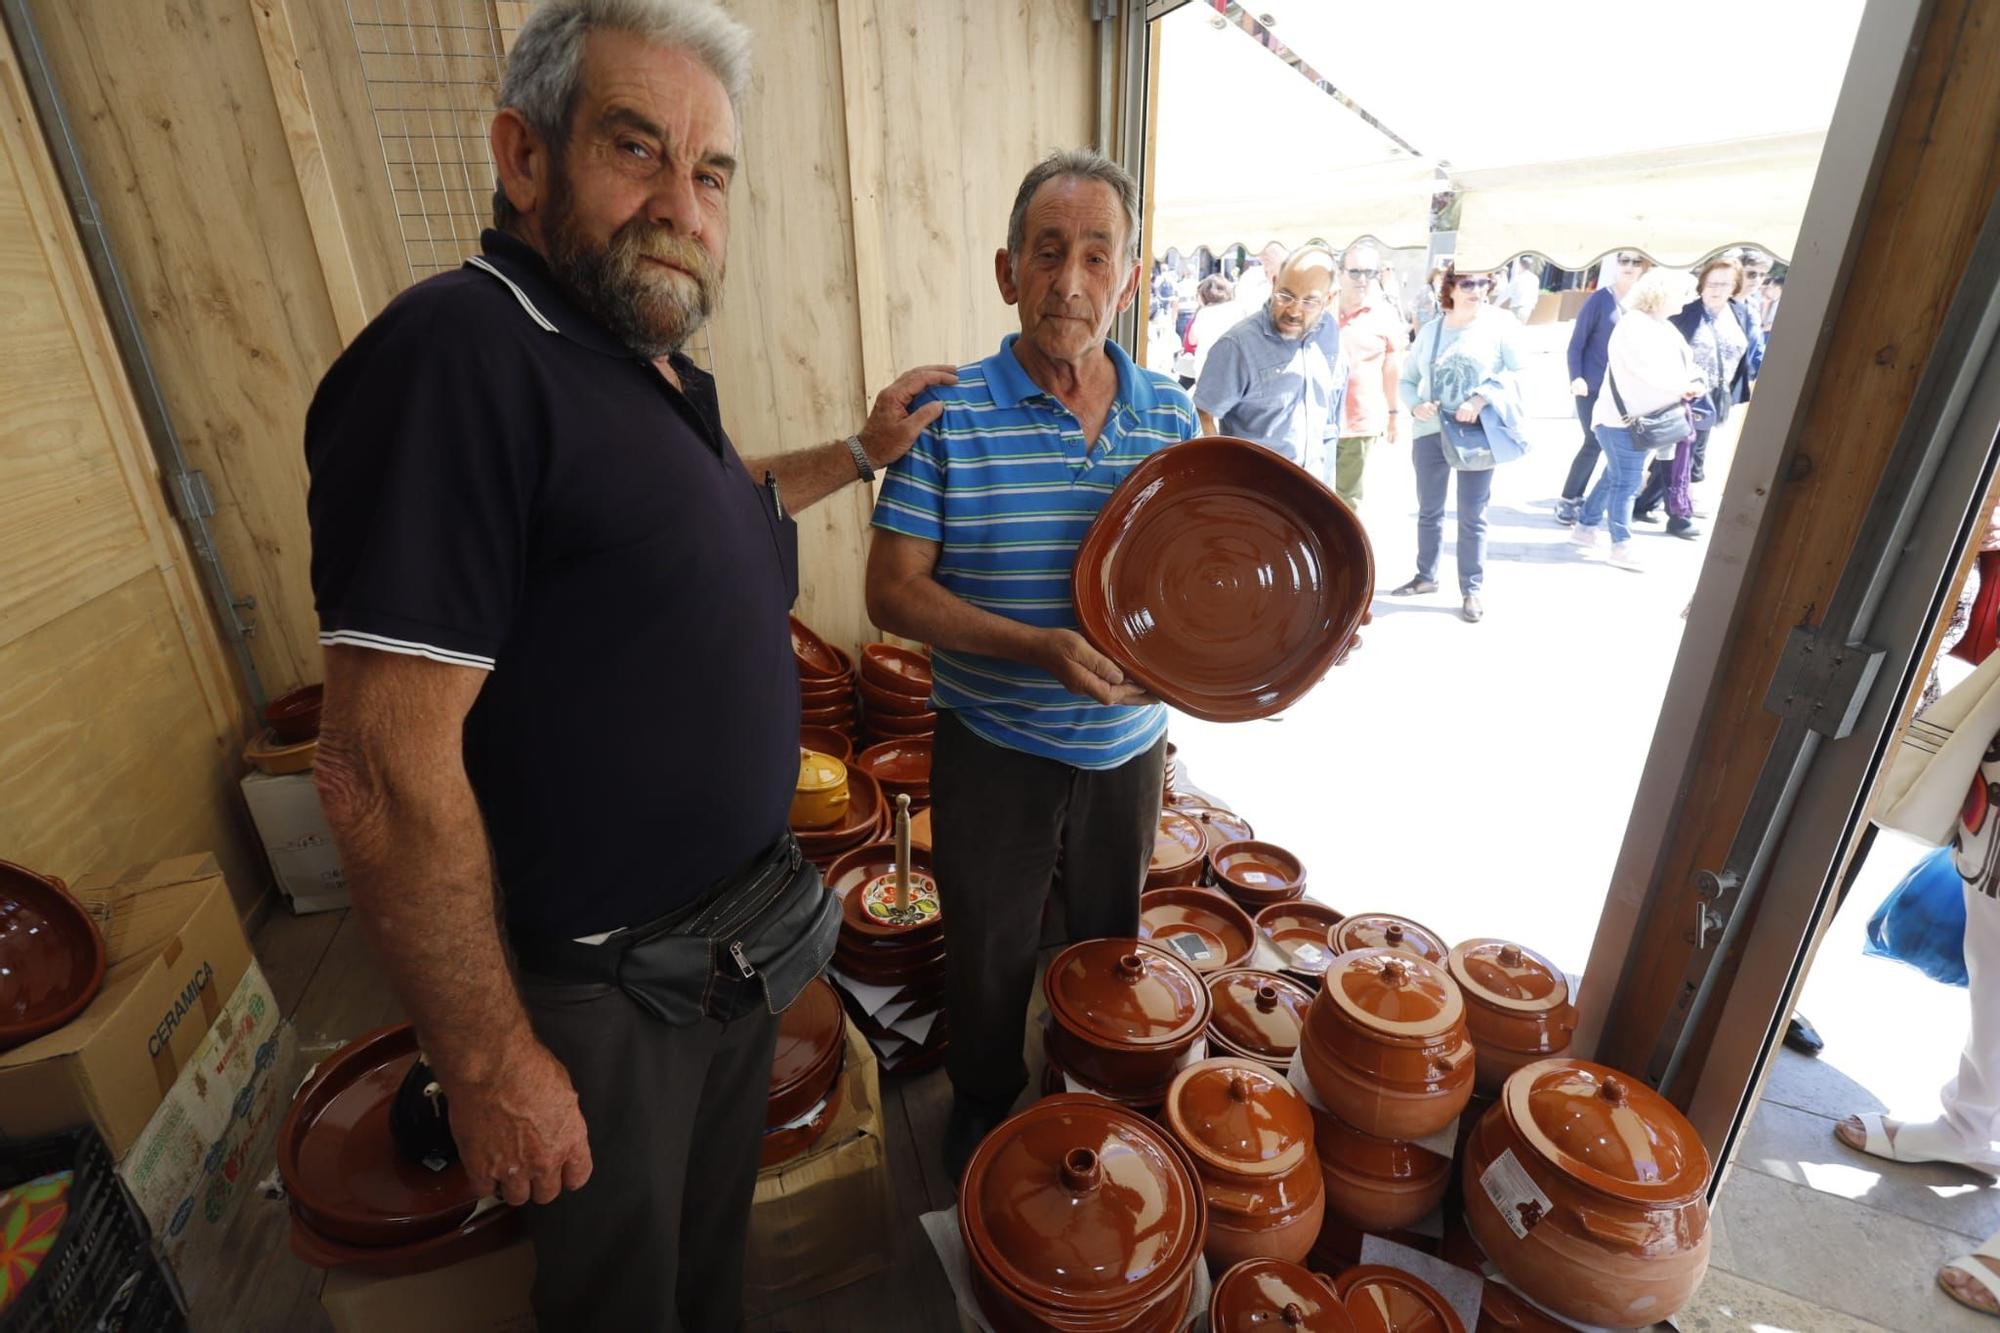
(1279, 377)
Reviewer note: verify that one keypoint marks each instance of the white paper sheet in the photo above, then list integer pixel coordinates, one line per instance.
(870, 998)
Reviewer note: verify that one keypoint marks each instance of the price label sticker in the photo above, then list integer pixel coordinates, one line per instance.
(1514, 1192)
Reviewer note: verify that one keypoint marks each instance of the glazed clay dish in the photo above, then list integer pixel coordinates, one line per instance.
(1224, 578)
(51, 956)
(1209, 932)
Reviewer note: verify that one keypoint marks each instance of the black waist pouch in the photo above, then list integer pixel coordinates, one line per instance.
(755, 940)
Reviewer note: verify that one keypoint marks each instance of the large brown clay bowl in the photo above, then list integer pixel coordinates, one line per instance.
(294, 717)
(1208, 932)
(1257, 874)
(781, 1145)
(1298, 930)
(896, 704)
(899, 765)
(1224, 578)
(341, 1167)
(827, 740)
(486, 1232)
(897, 670)
(51, 955)
(811, 1032)
(817, 659)
(911, 727)
(833, 694)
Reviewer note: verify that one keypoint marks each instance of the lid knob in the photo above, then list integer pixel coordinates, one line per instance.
(1293, 1314)
(1131, 967)
(1239, 1088)
(1394, 934)
(1267, 998)
(1614, 1091)
(1395, 972)
(1080, 1171)
(1510, 955)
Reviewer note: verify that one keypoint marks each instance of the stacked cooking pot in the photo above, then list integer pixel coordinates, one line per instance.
(1257, 1015)
(805, 1073)
(1124, 1016)
(1179, 852)
(884, 946)
(826, 682)
(901, 766)
(1250, 1135)
(895, 694)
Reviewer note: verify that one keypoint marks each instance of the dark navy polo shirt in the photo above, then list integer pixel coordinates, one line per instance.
(498, 483)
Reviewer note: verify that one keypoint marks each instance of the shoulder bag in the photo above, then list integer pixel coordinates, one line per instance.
(1465, 445)
(1661, 429)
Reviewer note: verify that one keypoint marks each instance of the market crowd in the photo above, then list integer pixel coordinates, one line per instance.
(1320, 355)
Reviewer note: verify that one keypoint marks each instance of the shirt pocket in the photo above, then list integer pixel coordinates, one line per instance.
(784, 537)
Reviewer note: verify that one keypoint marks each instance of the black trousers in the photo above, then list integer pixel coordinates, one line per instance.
(1585, 462)
(1000, 819)
(676, 1117)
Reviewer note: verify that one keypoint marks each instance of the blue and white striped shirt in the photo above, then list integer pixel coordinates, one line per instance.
(1003, 483)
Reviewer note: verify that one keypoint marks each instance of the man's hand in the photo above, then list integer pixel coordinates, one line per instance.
(1469, 410)
(1395, 428)
(1068, 657)
(1354, 641)
(520, 1131)
(1579, 388)
(1424, 411)
(892, 427)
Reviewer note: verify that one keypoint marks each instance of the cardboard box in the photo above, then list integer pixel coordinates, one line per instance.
(176, 952)
(285, 807)
(821, 1221)
(484, 1295)
(194, 1161)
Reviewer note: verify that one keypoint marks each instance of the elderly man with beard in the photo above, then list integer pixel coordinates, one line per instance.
(1280, 376)
(1044, 751)
(561, 706)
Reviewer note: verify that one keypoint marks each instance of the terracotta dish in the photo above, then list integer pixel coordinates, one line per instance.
(879, 700)
(267, 754)
(491, 1229)
(1388, 1300)
(1380, 930)
(342, 1172)
(1208, 932)
(827, 741)
(914, 726)
(1298, 930)
(1272, 1296)
(1257, 1015)
(1224, 578)
(857, 825)
(1588, 1191)
(899, 765)
(1385, 1044)
(897, 670)
(1376, 1184)
(1517, 1007)
(1122, 1013)
(1250, 1134)
(1178, 849)
(1257, 874)
(294, 717)
(1080, 1215)
(817, 659)
(781, 1145)
(51, 955)
(812, 1033)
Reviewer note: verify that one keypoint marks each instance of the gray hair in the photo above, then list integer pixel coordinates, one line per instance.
(1080, 164)
(1361, 247)
(545, 69)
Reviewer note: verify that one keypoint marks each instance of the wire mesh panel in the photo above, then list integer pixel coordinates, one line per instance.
(432, 68)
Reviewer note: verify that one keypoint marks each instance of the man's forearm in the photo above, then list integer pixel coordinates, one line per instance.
(1208, 426)
(922, 609)
(422, 880)
(807, 476)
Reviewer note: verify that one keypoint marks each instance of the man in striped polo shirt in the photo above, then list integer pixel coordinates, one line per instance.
(1045, 754)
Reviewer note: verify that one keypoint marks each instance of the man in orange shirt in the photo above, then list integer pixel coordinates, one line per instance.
(1373, 335)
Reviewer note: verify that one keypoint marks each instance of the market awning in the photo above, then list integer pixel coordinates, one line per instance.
(1250, 152)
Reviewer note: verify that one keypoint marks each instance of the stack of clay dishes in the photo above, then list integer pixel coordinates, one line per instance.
(1207, 931)
(1386, 1046)
(1383, 930)
(1218, 826)
(1300, 931)
(896, 692)
(828, 741)
(1272, 1296)
(289, 741)
(51, 955)
(1082, 1216)
(1179, 850)
(891, 946)
(1170, 778)
(356, 1200)
(1257, 874)
(1250, 1134)
(1588, 1191)
(900, 766)
(1256, 1016)
(1124, 1015)
(826, 681)
(805, 1073)
(1517, 1007)
(1378, 1297)
(866, 820)
(1375, 1184)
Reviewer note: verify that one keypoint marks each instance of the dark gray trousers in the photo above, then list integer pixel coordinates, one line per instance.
(676, 1116)
(1000, 821)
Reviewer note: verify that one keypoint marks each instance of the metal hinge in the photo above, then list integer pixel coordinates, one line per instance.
(1822, 681)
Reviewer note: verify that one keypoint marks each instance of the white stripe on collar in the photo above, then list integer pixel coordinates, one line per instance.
(479, 261)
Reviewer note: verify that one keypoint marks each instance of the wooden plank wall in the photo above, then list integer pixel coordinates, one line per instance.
(120, 715)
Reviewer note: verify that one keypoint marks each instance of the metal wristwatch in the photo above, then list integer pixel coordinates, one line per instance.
(861, 463)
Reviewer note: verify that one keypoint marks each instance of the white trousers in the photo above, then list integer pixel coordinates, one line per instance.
(1972, 1099)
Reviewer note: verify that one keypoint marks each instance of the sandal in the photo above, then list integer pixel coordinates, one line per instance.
(1917, 1142)
(1416, 587)
(1982, 1277)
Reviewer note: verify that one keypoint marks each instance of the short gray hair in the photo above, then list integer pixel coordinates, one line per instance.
(1078, 164)
(545, 68)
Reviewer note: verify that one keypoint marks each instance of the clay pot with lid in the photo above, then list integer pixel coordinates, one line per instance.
(1218, 826)
(1179, 852)
(1256, 1015)
(1375, 1184)
(1380, 1299)
(1122, 1013)
(1386, 1046)
(1272, 1296)
(1383, 930)
(1251, 1136)
(1588, 1190)
(1517, 1007)
(1203, 928)
(820, 799)
(1080, 1215)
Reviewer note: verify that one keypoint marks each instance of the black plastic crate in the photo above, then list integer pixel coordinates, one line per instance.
(101, 1274)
